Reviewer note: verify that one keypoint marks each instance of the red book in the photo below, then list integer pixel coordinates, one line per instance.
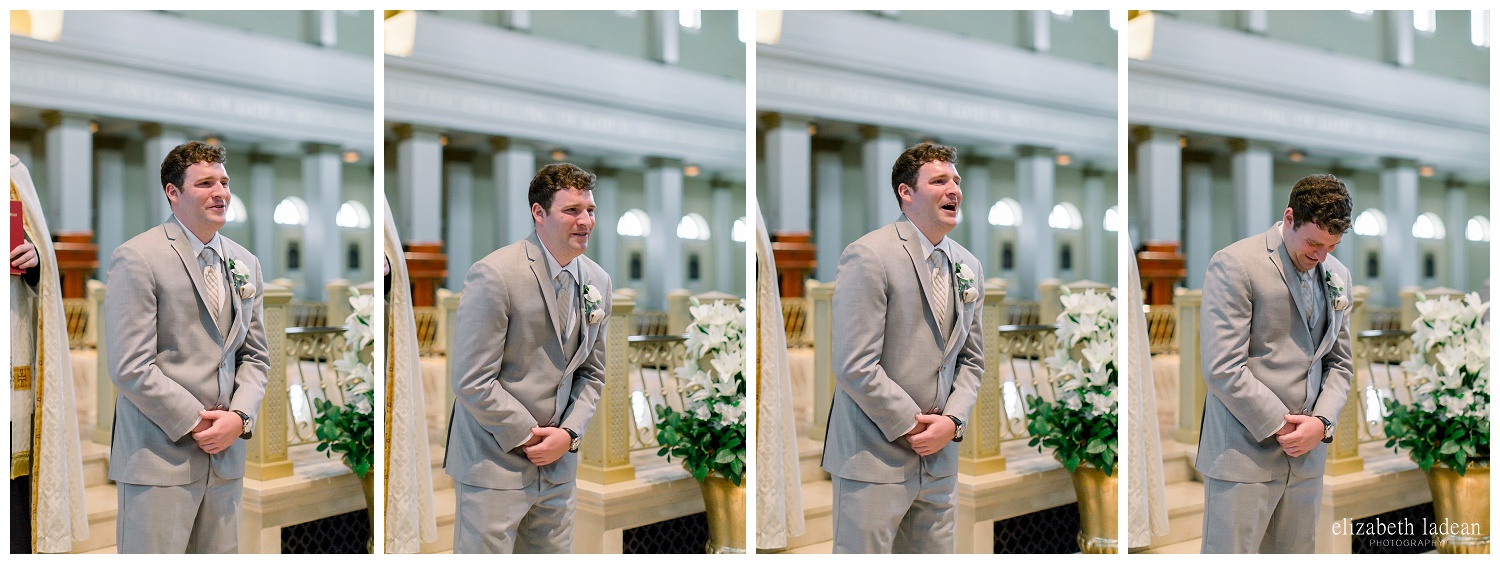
(17, 232)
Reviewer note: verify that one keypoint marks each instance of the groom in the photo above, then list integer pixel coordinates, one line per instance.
(907, 354)
(187, 352)
(1275, 345)
(527, 370)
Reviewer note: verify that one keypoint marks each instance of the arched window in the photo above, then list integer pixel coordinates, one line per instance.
(740, 232)
(236, 211)
(1005, 213)
(291, 211)
(1428, 226)
(353, 214)
(1065, 216)
(1370, 223)
(1112, 219)
(1478, 229)
(634, 223)
(692, 227)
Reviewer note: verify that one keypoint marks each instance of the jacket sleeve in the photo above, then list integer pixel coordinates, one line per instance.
(130, 326)
(478, 349)
(253, 359)
(588, 379)
(859, 305)
(1225, 336)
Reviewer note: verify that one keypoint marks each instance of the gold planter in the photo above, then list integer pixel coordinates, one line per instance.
(1098, 511)
(1462, 505)
(724, 503)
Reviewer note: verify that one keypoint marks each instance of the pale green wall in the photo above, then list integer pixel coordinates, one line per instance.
(356, 31)
(1085, 36)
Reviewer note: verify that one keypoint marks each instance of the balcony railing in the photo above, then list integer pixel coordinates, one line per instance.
(310, 376)
(653, 362)
(1023, 349)
(1378, 377)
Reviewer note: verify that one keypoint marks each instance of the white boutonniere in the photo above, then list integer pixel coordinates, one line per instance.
(1336, 291)
(241, 273)
(593, 307)
(965, 277)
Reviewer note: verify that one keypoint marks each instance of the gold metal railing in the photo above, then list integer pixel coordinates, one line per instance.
(794, 315)
(77, 312)
(653, 362)
(1161, 328)
(1024, 349)
(1378, 377)
(310, 375)
(650, 323)
(309, 314)
(429, 337)
(1022, 313)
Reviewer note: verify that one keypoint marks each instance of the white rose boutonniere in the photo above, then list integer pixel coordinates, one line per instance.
(965, 277)
(241, 273)
(1336, 291)
(593, 304)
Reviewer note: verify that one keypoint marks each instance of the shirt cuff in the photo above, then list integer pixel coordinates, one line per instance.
(529, 436)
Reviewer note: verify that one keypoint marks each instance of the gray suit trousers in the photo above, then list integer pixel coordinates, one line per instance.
(1275, 517)
(537, 519)
(917, 516)
(198, 518)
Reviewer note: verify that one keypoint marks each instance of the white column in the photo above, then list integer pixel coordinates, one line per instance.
(1399, 262)
(322, 28)
(1397, 41)
(1035, 30)
(829, 185)
(419, 162)
(1093, 226)
(1252, 170)
(606, 240)
(70, 172)
(788, 170)
(1198, 242)
(323, 187)
(160, 140)
(1035, 183)
(1348, 250)
(1457, 220)
(1159, 188)
(459, 240)
(663, 248)
(881, 149)
(109, 157)
(663, 30)
(261, 207)
(723, 222)
(519, 20)
(21, 148)
(1253, 21)
(975, 172)
(515, 165)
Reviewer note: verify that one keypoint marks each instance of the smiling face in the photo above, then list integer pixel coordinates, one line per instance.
(1308, 244)
(565, 227)
(202, 202)
(932, 205)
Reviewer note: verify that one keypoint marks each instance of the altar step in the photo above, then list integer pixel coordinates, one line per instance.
(817, 512)
(444, 504)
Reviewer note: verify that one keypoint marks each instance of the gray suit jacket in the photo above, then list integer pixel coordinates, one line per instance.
(893, 360)
(1261, 362)
(509, 372)
(169, 360)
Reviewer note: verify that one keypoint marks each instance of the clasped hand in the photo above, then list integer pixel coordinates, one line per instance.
(1299, 434)
(217, 430)
(932, 433)
(24, 256)
(547, 444)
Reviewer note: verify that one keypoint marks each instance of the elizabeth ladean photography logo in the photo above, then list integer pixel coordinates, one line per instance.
(1403, 528)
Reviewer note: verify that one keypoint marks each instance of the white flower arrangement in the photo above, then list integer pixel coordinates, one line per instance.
(1087, 327)
(709, 432)
(359, 338)
(349, 429)
(1447, 420)
(1336, 290)
(592, 305)
(241, 273)
(965, 277)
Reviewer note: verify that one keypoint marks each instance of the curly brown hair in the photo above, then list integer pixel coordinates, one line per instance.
(911, 161)
(188, 154)
(554, 177)
(1323, 200)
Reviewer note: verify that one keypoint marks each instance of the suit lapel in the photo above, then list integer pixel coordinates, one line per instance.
(1276, 249)
(960, 317)
(540, 269)
(184, 250)
(908, 234)
(237, 314)
(1330, 333)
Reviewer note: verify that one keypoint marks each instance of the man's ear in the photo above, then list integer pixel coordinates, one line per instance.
(903, 193)
(172, 192)
(537, 212)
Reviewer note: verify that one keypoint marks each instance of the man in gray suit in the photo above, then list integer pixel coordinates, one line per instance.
(187, 352)
(1275, 334)
(907, 354)
(527, 370)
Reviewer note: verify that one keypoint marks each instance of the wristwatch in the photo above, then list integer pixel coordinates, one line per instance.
(248, 423)
(958, 429)
(577, 441)
(1327, 428)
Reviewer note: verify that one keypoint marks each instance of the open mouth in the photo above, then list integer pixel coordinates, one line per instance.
(951, 207)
